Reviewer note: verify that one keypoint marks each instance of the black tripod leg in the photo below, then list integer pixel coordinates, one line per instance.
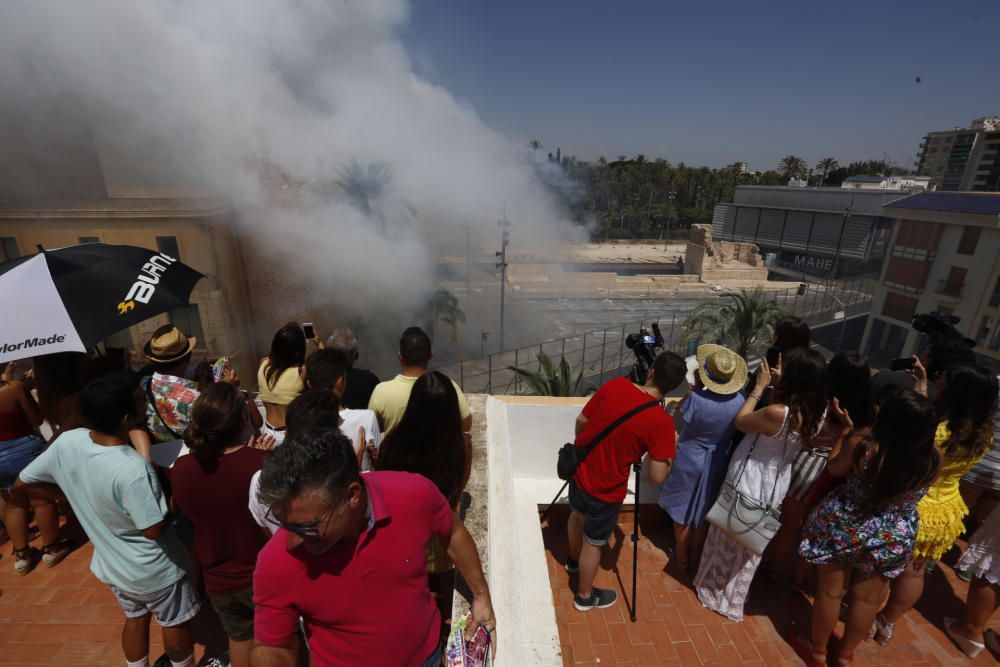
(548, 509)
(635, 541)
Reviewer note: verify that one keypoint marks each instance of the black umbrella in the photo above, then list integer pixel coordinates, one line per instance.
(69, 299)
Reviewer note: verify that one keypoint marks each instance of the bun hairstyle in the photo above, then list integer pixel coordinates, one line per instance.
(216, 424)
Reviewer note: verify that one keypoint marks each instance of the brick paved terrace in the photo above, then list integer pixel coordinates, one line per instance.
(64, 616)
(674, 629)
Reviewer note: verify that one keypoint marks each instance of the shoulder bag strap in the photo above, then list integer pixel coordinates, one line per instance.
(746, 461)
(152, 401)
(615, 424)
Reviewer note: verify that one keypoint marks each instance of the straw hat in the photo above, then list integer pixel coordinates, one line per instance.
(168, 344)
(721, 370)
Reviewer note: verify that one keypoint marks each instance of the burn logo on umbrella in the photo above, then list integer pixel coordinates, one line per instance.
(144, 287)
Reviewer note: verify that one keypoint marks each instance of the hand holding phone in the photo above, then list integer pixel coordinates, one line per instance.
(309, 330)
(902, 364)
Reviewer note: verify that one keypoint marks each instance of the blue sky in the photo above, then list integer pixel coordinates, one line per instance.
(715, 81)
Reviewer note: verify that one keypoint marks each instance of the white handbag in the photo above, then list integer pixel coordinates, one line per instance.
(751, 522)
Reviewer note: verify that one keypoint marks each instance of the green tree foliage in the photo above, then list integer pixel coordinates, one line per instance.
(549, 380)
(743, 322)
(442, 308)
(825, 166)
(792, 166)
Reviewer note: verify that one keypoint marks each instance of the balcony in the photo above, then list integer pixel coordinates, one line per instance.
(949, 288)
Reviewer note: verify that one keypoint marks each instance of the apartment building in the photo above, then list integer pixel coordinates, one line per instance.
(965, 158)
(944, 256)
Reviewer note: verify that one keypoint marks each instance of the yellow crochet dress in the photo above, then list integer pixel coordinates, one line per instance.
(942, 509)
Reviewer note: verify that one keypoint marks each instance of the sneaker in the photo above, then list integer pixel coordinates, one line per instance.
(25, 560)
(572, 566)
(600, 598)
(54, 554)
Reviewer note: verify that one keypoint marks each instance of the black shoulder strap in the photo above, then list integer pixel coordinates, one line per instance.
(613, 425)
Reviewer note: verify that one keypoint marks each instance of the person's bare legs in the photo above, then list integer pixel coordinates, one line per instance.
(906, 591)
(239, 652)
(590, 559)
(574, 533)
(135, 638)
(178, 642)
(783, 547)
(682, 545)
(979, 607)
(830, 591)
(15, 518)
(698, 536)
(867, 593)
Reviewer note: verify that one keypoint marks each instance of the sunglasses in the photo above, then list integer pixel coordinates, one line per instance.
(311, 529)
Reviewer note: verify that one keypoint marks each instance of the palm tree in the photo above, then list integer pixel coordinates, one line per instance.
(442, 306)
(743, 322)
(365, 185)
(792, 166)
(550, 381)
(825, 166)
(534, 145)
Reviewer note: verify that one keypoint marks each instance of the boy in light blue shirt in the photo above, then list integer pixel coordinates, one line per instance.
(116, 497)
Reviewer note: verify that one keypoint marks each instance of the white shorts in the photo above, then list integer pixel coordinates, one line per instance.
(173, 605)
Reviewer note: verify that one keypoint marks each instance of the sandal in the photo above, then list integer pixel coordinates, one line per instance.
(882, 630)
(964, 644)
(25, 560)
(845, 659)
(812, 656)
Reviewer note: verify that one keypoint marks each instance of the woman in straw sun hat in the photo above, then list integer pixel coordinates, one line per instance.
(705, 426)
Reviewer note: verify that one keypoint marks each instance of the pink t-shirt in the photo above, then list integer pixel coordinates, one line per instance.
(364, 602)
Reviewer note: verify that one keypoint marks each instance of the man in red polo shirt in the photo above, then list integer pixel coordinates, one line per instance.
(598, 488)
(349, 560)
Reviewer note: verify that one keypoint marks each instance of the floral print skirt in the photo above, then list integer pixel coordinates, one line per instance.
(841, 531)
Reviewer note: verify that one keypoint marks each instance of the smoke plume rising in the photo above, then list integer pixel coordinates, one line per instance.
(306, 114)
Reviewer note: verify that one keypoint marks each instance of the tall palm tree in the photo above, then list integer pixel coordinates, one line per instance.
(825, 166)
(550, 381)
(365, 185)
(534, 145)
(442, 307)
(792, 166)
(743, 322)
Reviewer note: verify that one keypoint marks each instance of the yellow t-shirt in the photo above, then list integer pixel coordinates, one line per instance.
(287, 386)
(389, 400)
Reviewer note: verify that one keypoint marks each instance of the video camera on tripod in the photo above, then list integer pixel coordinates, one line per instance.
(646, 347)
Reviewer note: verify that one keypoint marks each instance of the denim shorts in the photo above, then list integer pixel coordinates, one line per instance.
(173, 605)
(599, 517)
(15, 455)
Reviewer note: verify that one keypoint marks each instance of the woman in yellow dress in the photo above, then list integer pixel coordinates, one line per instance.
(966, 403)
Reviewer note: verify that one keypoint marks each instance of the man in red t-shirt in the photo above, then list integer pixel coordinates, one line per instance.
(599, 486)
(349, 559)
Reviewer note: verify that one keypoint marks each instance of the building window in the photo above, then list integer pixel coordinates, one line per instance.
(984, 329)
(885, 343)
(945, 310)
(168, 246)
(969, 241)
(899, 307)
(953, 284)
(995, 298)
(9, 249)
(89, 239)
(994, 343)
(188, 320)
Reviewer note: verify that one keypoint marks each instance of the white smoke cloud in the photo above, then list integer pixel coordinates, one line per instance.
(203, 97)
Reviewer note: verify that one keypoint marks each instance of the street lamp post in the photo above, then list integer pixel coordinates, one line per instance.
(837, 315)
(502, 266)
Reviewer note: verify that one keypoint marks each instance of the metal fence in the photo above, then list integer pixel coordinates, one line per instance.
(603, 355)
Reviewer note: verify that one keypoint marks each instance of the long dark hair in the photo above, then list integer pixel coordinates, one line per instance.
(899, 457)
(288, 350)
(791, 333)
(851, 385)
(428, 439)
(803, 388)
(216, 424)
(968, 403)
